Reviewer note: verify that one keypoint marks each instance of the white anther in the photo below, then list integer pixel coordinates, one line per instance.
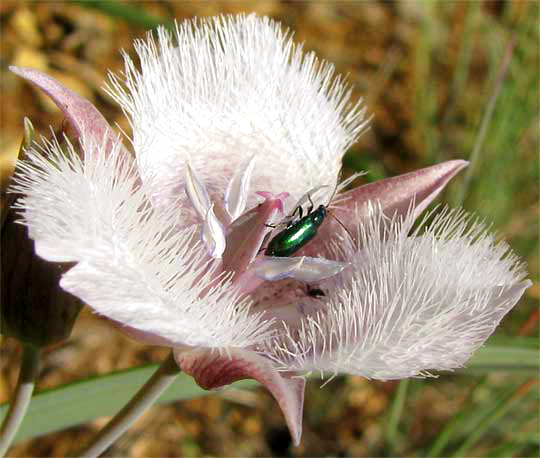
(213, 234)
(237, 191)
(196, 192)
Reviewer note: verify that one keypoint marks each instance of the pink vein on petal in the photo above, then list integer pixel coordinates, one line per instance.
(211, 369)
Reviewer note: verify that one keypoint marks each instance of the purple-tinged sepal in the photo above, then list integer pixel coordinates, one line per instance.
(81, 114)
(213, 369)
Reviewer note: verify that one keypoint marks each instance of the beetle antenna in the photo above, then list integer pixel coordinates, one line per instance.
(342, 225)
(331, 213)
(335, 189)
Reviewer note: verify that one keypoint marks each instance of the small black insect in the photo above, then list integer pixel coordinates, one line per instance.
(315, 292)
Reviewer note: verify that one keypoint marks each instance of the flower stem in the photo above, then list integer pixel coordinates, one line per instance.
(145, 397)
(22, 396)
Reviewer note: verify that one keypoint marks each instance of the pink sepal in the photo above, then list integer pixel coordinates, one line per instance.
(81, 114)
(396, 196)
(210, 369)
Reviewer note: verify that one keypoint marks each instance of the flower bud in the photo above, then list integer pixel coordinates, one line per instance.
(35, 309)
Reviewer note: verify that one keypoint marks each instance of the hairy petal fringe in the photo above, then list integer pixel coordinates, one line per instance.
(218, 91)
(410, 304)
(133, 263)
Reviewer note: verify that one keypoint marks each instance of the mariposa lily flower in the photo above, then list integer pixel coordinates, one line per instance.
(234, 129)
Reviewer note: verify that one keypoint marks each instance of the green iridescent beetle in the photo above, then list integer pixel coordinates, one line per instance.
(298, 233)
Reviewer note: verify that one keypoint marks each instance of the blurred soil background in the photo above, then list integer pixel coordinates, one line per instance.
(428, 72)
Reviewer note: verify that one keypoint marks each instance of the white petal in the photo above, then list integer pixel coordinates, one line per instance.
(213, 234)
(67, 200)
(301, 268)
(218, 91)
(408, 304)
(133, 263)
(197, 193)
(237, 191)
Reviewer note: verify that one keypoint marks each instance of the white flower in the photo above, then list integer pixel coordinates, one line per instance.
(228, 115)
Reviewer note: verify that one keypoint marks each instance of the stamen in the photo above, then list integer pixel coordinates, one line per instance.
(197, 193)
(237, 191)
(213, 234)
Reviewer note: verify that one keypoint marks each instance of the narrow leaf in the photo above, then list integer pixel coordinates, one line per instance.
(503, 358)
(85, 400)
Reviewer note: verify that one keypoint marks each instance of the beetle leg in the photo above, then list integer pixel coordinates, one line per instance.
(311, 204)
(291, 216)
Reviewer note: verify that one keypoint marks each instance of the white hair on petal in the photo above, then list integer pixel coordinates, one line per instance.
(220, 90)
(412, 303)
(134, 263)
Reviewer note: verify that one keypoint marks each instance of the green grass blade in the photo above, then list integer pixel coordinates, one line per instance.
(395, 415)
(85, 400)
(476, 418)
(515, 342)
(458, 423)
(519, 355)
(498, 410)
(131, 14)
(471, 415)
(486, 119)
(504, 358)
(463, 64)
(507, 449)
